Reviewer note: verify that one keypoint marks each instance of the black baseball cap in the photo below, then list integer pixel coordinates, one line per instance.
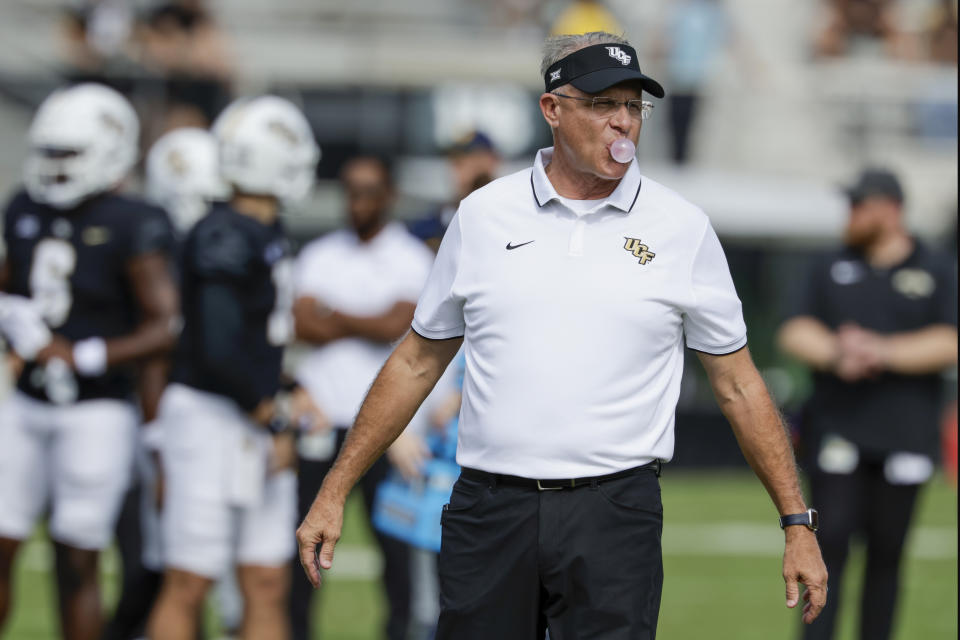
(875, 183)
(597, 67)
(471, 141)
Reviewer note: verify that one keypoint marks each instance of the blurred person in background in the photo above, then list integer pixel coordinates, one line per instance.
(181, 42)
(435, 425)
(515, 18)
(183, 177)
(694, 35)
(584, 16)
(89, 279)
(876, 322)
(227, 455)
(555, 522)
(356, 290)
(941, 33)
(98, 38)
(473, 162)
(850, 27)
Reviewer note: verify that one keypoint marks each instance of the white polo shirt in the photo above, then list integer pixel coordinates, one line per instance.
(574, 322)
(360, 279)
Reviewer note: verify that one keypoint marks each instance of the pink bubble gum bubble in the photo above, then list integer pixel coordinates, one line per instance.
(622, 150)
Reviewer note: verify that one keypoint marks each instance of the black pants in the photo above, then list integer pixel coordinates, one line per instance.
(683, 111)
(584, 563)
(862, 502)
(396, 554)
(140, 586)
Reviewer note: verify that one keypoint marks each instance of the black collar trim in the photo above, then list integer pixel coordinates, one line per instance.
(536, 198)
(639, 185)
(534, 188)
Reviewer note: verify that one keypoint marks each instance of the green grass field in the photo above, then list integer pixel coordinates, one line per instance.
(722, 562)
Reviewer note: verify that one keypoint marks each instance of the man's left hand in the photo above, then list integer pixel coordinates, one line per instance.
(802, 563)
(321, 528)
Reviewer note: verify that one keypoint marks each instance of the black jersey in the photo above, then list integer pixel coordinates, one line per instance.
(892, 412)
(237, 295)
(74, 264)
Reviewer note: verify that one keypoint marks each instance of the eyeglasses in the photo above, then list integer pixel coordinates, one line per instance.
(604, 107)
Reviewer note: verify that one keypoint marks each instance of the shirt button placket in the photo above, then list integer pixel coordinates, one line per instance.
(575, 247)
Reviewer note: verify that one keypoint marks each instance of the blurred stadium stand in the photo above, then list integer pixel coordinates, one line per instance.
(405, 79)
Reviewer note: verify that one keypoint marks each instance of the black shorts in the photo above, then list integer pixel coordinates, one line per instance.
(584, 562)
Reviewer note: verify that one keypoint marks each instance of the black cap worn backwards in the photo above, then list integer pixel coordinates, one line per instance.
(875, 183)
(597, 67)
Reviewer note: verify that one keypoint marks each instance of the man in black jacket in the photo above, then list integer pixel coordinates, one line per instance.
(877, 323)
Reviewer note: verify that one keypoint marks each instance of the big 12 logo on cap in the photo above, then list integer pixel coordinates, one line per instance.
(619, 55)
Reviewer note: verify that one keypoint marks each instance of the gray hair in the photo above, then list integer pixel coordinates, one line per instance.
(556, 48)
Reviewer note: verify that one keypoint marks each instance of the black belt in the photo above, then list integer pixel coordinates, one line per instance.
(553, 484)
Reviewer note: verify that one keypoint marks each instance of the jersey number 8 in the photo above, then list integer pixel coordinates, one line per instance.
(53, 263)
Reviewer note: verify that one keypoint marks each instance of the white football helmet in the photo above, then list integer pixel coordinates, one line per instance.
(83, 141)
(183, 174)
(267, 148)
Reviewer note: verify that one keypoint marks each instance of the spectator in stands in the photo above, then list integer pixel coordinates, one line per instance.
(97, 39)
(942, 34)
(583, 16)
(182, 42)
(474, 162)
(851, 26)
(696, 31)
(515, 18)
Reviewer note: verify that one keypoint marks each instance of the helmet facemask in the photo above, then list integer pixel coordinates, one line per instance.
(83, 141)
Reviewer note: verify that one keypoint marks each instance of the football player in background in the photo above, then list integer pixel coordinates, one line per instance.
(230, 494)
(89, 297)
(183, 177)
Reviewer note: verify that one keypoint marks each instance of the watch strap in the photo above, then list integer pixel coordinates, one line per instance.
(808, 518)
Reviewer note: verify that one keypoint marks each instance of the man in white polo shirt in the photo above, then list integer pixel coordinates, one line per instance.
(356, 291)
(573, 286)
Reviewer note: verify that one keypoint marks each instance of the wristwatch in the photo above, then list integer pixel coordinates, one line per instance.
(808, 518)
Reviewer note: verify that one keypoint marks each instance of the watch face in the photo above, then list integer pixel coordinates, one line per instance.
(814, 519)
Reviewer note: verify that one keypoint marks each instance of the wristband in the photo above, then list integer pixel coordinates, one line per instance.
(90, 357)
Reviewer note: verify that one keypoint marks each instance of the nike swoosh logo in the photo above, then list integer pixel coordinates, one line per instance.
(511, 246)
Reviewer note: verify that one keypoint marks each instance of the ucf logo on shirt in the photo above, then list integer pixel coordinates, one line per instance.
(914, 283)
(639, 250)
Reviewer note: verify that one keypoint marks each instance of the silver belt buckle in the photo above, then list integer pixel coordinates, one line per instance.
(540, 487)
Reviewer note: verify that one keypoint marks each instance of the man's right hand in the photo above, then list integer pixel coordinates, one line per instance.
(321, 527)
(408, 454)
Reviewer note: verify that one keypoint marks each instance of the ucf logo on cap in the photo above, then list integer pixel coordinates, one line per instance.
(619, 55)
